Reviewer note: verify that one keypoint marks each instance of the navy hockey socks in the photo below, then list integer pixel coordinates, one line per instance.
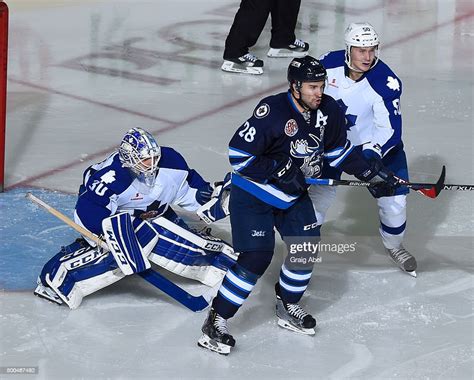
(235, 288)
(293, 283)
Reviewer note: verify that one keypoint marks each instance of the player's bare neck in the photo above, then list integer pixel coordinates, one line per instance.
(354, 75)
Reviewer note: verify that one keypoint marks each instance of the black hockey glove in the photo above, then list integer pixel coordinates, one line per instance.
(289, 177)
(383, 182)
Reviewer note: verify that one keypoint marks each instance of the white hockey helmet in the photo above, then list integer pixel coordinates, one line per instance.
(361, 34)
(140, 152)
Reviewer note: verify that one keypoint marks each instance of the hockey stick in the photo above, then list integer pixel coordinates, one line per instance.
(194, 303)
(430, 190)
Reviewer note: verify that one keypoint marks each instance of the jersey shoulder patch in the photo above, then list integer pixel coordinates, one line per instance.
(262, 110)
(266, 105)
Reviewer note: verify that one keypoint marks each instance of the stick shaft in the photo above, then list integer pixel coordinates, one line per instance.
(83, 231)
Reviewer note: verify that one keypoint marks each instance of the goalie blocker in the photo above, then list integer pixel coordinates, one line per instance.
(80, 269)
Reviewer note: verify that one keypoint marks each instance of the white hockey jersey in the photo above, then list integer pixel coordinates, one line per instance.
(371, 104)
(109, 188)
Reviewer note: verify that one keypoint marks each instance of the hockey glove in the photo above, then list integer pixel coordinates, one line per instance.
(289, 178)
(218, 206)
(383, 182)
(204, 194)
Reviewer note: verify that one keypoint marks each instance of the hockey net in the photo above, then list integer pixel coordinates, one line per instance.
(3, 86)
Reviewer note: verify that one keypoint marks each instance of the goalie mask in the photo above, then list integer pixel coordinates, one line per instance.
(361, 34)
(140, 152)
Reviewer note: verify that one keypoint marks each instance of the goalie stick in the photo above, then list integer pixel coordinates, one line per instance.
(194, 303)
(430, 190)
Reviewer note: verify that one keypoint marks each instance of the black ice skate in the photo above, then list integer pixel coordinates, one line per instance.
(297, 49)
(47, 293)
(247, 64)
(403, 259)
(215, 335)
(291, 316)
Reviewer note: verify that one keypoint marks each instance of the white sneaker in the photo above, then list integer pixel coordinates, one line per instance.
(297, 49)
(247, 64)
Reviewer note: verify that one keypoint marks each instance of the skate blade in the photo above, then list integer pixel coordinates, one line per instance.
(206, 342)
(276, 53)
(289, 326)
(248, 70)
(412, 273)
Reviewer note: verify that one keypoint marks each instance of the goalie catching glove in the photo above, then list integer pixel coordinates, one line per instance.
(218, 207)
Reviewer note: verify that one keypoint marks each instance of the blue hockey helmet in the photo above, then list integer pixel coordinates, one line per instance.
(140, 152)
(305, 69)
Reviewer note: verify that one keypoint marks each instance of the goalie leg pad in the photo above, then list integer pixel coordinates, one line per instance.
(130, 248)
(189, 254)
(79, 270)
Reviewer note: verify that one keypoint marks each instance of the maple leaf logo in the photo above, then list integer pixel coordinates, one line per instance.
(393, 83)
(108, 177)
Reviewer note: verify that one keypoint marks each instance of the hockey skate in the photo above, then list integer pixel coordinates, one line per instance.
(215, 335)
(403, 259)
(47, 293)
(297, 49)
(247, 64)
(291, 316)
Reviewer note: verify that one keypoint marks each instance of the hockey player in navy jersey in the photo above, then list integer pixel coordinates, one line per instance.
(126, 199)
(369, 93)
(272, 153)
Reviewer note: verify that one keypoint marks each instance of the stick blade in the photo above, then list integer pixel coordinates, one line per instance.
(434, 191)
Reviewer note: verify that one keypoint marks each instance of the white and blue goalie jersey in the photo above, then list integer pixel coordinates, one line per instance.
(109, 188)
(277, 131)
(371, 104)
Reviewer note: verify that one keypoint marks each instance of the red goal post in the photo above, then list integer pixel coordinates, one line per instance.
(3, 86)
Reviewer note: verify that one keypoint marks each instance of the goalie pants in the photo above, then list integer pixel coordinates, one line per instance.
(250, 20)
(392, 209)
(253, 235)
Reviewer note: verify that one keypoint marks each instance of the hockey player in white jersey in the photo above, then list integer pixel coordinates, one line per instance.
(369, 93)
(126, 199)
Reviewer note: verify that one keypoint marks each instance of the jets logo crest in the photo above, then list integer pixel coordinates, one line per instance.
(262, 111)
(291, 128)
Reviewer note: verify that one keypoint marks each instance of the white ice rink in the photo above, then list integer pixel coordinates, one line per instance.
(81, 73)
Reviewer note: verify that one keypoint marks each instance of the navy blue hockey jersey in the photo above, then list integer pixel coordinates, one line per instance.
(278, 130)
